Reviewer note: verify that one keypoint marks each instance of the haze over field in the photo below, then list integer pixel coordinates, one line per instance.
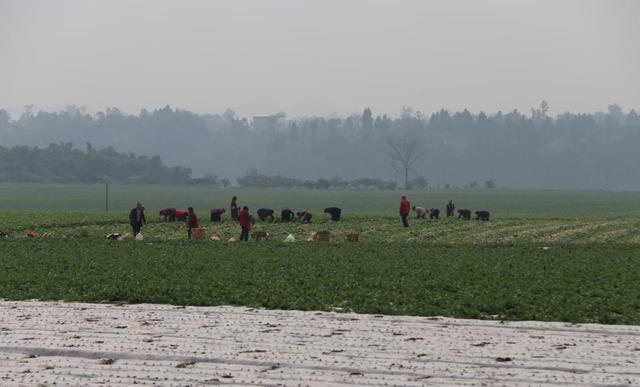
(320, 57)
(321, 63)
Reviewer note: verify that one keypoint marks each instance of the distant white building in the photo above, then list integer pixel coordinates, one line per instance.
(269, 121)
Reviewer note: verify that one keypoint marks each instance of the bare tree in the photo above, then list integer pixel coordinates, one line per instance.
(404, 154)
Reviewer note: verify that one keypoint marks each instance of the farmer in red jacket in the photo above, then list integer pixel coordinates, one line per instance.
(192, 221)
(405, 210)
(245, 222)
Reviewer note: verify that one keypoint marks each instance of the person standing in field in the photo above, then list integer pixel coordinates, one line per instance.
(137, 218)
(405, 210)
(234, 209)
(245, 223)
(450, 208)
(192, 221)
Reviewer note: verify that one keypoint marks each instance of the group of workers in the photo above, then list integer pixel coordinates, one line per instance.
(137, 217)
(246, 221)
(434, 213)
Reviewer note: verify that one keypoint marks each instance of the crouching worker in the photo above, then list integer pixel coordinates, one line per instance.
(304, 216)
(265, 214)
(482, 215)
(216, 214)
(182, 215)
(335, 213)
(286, 215)
(464, 214)
(245, 223)
(192, 221)
(421, 212)
(169, 214)
(137, 219)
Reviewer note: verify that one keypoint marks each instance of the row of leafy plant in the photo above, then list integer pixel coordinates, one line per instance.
(582, 284)
(371, 229)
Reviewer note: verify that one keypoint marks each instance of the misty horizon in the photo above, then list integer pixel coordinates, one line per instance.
(14, 114)
(446, 92)
(319, 58)
(447, 148)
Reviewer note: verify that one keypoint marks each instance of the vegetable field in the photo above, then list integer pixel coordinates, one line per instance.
(543, 256)
(523, 203)
(592, 283)
(89, 227)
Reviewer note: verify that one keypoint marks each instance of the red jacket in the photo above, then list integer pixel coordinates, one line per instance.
(192, 222)
(244, 220)
(405, 207)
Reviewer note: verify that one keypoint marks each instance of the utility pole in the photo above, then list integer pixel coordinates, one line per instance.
(106, 180)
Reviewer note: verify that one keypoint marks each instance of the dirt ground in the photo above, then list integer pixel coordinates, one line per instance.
(47, 343)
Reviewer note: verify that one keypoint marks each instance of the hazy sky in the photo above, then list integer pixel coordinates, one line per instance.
(319, 57)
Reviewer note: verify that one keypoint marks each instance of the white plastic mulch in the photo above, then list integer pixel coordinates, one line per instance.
(42, 343)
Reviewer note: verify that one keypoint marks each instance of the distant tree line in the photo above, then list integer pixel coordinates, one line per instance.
(516, 149)
(61, 163)
(255, 179)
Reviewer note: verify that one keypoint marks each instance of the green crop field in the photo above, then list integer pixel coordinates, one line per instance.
(565, 283)
(91, 198)
(545, 255)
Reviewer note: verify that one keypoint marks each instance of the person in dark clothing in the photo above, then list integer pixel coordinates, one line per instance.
(234, 209)
(265, 213)
(482, 215)
(286, 215)
(434, 213)
(405, 210)
(304, 216)
(335, 213)
(169, 214)
(245, 223)
(137, 219)
(192, 221)
(216, 214)
(450, 208)
(464, 214)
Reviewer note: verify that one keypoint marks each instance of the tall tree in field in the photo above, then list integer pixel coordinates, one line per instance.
(404, 153)
(367, 120)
